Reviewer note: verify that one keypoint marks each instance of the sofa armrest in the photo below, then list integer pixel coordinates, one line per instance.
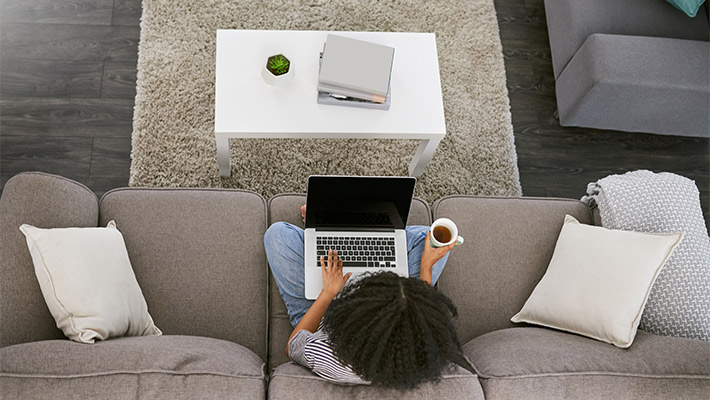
(570, 22)
(45, 201)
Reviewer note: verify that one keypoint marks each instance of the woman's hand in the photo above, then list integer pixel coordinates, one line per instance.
(430, 256)
(303, 213)
(332, 272)
(333, 282)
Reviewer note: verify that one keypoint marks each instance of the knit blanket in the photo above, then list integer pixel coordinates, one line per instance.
(643, 201)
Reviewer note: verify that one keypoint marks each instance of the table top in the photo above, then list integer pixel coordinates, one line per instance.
(246, 106)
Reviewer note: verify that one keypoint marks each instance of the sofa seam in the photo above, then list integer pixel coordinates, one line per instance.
(267, 303)
(427, 208)
(265, 204)
(437, 203)
(317, 378)
(59, 177)
(127, 372)
(524, 198)
(268, 281)
(179, 189)
(594, 373)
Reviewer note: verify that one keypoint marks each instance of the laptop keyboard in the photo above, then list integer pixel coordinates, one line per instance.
(372, 252)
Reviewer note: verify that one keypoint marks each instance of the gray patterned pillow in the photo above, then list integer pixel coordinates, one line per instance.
(679, 302)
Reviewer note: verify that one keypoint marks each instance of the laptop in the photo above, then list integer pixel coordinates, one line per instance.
(363, 218)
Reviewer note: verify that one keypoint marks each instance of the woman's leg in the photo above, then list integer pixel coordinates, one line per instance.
(415, 248)
(284, 250)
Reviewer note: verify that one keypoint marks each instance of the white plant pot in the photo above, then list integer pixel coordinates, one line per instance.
(278, 80)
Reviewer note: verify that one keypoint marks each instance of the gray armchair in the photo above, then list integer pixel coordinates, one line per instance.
(633, 65)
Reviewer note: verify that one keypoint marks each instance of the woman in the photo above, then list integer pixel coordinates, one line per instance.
(380, 329)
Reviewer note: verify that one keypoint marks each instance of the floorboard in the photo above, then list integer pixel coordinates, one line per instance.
(119, 80)
(126, 12)
(75, 12)
(67, 156)
(110, 155)
(69, 42)
(50, 78)
(47, 117)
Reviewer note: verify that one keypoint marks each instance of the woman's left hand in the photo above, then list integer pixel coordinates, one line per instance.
(430, 256)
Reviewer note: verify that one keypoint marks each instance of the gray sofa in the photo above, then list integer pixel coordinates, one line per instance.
(198, 256)
(631, 65)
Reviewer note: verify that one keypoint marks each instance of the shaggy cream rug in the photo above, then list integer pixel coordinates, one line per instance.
(173, 127)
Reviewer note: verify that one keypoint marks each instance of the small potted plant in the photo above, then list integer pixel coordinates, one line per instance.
(278, 70)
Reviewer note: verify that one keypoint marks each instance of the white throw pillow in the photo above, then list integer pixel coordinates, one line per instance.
(598, 281)
(88, 282)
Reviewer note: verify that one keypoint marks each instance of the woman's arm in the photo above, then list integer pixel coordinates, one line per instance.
(430, 256)
(333, 282)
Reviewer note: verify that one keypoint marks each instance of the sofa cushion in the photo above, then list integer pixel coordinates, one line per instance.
(291, 381)
(198, 256)
(45, 201)
(598, 281)
(509, 244)
(147, 367)
(286, 208)
(540, 363)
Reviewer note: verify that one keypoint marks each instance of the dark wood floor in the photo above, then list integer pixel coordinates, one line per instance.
(67, 87)
(67, 83)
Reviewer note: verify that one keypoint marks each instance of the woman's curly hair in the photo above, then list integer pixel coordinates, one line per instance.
(394, 331)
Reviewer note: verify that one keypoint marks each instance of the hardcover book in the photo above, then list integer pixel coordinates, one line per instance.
(351, 93)
(356, 65)
(339, 100)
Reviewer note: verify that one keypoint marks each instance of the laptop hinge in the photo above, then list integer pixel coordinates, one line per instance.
(363, 229)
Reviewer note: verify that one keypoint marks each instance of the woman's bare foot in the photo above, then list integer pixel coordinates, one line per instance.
(303, 213)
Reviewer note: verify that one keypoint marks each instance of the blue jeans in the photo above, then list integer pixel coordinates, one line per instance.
(284, 250)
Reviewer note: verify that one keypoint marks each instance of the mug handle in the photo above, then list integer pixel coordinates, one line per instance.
(459, 241)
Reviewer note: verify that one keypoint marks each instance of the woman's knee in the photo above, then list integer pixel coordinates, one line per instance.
(280, 235)
(276, 232)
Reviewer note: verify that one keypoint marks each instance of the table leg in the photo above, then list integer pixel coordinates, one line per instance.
(223, 156)
(423, 155)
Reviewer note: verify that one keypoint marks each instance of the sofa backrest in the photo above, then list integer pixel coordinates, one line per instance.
(198, 256)
(508, 245)
(286, 208)
(45, 201)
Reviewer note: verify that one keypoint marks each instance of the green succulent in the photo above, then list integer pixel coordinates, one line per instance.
(278, 64)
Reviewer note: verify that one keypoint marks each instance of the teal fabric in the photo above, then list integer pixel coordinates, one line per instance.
(689, 7)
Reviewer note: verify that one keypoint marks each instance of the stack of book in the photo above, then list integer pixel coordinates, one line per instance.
(355, 73)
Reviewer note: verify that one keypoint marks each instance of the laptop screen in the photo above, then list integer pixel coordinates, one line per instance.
(358, 202)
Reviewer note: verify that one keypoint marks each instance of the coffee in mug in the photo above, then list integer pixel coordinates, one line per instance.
(444, 232)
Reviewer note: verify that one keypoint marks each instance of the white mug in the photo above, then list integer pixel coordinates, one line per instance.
(444, 228)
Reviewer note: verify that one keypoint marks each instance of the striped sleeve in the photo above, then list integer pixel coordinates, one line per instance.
(313, 351)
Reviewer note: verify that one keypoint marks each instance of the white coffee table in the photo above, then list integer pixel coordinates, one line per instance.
(247, 107)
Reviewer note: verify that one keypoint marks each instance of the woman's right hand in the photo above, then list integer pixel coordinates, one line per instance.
(332, 272)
